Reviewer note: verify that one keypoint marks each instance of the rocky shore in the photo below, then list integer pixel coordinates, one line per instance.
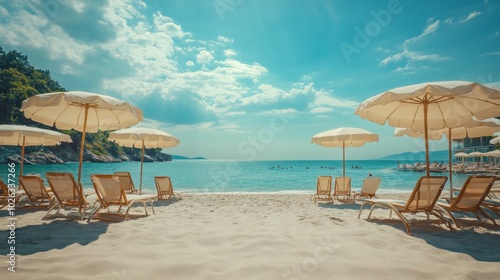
(49, 155)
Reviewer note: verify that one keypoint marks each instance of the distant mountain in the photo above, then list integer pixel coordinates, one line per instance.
(417, 156)
(183, 157)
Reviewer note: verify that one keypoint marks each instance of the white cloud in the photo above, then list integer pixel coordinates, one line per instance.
(204, 57)
(429, 29)
(320, 110)
(189, 63)
(4, 12)
(225, 40)
(325, 99)
(411, 56)
(229, 53)
(237, 68)
(488, 54)
(36, 31)
(461, 20)
(166, 24)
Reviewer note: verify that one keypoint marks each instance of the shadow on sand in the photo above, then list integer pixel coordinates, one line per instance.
(477, 239)
(56, 234)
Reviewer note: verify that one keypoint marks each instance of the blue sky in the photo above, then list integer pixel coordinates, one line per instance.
(241, 79)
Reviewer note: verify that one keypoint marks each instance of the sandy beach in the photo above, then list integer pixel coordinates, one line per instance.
(250, 236)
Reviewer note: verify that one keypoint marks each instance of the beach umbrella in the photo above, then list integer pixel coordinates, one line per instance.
(461, 154)
(473, 129)
(344, 137)
(140, 137)
(82, 111)
(478, 154)
(432, 105)
(21, 135)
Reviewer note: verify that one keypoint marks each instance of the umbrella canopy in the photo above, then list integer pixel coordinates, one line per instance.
(473, 129)
(494, 153)
(432, 105)
(478, 154)
(461, 154)
(139, 137)
(344, 137)
(82, 111)
(20, 135)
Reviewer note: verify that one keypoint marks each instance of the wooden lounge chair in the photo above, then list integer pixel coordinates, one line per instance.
(67, 193)
(37, 194)
(127, 182)
(422, 200)
(342, 187)
(368, 189)
(470, 198)
(4, 194)
(111, 195)
(164, 188)
(323, 189)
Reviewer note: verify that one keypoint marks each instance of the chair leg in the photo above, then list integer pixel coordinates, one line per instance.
(484, 213)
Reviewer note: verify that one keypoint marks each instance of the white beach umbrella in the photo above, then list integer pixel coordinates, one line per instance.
(461, 154)
(433, 105)
(21, 135)
(344, 137)
(140, 137)
(494, 153)
(473, 129)
(478, 154)
(82, 111)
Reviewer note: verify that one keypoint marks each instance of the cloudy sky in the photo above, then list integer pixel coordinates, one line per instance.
(256, 79)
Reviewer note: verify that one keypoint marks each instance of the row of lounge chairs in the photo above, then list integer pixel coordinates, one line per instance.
(474, 197)
(114, 194)
(342, 188)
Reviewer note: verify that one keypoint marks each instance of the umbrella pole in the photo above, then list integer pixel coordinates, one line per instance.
(82, 145)
(142, 162)
(426, 135)
(450, 164)
(22, 156)
(343, 158)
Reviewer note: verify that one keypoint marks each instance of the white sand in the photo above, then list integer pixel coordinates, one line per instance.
(222, 236)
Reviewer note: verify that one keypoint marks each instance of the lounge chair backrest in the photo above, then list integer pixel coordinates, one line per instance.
(4, 190)
(370, 186)
(126, 181)
(324, 185)
(64, 186)
(33, 186)
(473, 192)
(164, 185)
(342, 185)
(426, 193)
(108, 189)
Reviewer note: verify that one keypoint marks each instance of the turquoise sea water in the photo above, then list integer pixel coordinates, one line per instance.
(222, 176)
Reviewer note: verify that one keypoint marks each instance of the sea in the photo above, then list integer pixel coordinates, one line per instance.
(230, 176)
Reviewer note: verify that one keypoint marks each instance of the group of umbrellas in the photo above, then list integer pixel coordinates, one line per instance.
(455, 108)
(84, 112)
